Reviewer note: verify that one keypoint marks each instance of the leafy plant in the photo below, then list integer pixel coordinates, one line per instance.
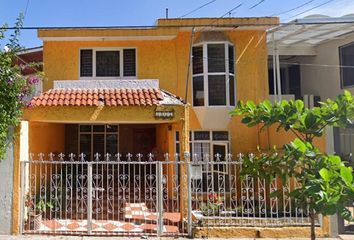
(14, 87)
(214, 205)
(326, 183)
(40, 206)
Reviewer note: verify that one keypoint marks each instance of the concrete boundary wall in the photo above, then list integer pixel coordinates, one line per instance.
(6, 190)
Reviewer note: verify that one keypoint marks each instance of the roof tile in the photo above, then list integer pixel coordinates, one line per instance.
(95, 97)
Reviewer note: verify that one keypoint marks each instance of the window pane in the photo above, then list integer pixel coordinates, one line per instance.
(347, 59)
(98, 128)
(107, 63)
(177, 136)
(220, 136)
(198, 91)
(202, 135)
(111, 128)
(129, 62)
(197, 60)
(85, 145)
(98, 145)
(112, 144)
(216, 58)
(232, 90)
(201, 149)
(231, 59)
(86, 63)
(217, 90)
(85, 128)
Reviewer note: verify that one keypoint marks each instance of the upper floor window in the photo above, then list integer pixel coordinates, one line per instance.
(346, 54)
(213, 74)
(108, 62)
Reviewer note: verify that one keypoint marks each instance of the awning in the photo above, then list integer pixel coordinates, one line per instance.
(301, 36)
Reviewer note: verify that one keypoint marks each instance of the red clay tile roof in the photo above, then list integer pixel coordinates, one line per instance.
(97, 97)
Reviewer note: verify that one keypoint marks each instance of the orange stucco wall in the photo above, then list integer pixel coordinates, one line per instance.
(46, 138)
(167, 60)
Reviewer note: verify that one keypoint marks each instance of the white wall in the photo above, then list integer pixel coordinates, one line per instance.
(323, 80)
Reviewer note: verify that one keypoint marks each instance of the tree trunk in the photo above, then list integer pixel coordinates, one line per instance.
(312, 218)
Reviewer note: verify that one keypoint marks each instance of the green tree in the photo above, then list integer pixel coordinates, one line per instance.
(326, 183)
(14, 87)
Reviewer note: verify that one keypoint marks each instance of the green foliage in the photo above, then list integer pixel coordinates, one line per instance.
(14, 88)
(326, 183)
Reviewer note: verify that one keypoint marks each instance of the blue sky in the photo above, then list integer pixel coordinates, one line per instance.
(145, 12)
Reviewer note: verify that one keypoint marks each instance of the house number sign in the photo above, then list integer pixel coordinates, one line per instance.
(164, 114)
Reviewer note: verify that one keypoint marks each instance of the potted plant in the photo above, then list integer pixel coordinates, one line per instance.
(35, 211)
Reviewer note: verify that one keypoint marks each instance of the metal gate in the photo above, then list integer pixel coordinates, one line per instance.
(68, 195)
(143, 195)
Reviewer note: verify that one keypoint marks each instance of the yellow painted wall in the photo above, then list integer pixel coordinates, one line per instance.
(167, 60)
(46, 138)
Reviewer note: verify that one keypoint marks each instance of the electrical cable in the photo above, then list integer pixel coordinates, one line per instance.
(181, 26)
(200, 7)
(285, 63)
(257, 4)
(310, 9)
(293, 9)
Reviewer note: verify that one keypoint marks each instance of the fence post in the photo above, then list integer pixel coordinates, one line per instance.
(189, 198)
(159, 199)
(22, 197)
(89, 198)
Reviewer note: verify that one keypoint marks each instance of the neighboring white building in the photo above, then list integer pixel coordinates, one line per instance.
(314, 60)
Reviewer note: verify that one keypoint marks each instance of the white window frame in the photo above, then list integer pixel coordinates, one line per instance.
(226, 145)
(340, 48)
(227, 74)
(210, 141)
(121, 65)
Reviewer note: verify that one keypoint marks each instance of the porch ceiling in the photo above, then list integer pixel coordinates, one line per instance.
(301, 36)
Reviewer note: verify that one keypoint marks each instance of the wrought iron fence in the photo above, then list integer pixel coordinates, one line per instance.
(139, 194)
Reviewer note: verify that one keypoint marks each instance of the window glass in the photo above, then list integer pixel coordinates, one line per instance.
(98, 145)
(177, 136)
(220, 136)
(201, 135)
(85, 145)
(112, 144)
(201, 149)
(231, 59)
(107, 63)
(347, 59)
(198, 91)
(232, 90)
(98, 128)
(197, 60)
(217, 90)
(129, 62)
(85, 128)
(86, 63)
(216, 58)
(111, 128)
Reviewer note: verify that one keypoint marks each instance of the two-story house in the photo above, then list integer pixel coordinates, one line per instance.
(119, 103)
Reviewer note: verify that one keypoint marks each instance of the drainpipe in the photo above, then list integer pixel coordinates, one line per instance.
(189, 64)
(274, 71)
(278, 72)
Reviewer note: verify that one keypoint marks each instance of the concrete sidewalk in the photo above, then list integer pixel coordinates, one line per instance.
(46, 237)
